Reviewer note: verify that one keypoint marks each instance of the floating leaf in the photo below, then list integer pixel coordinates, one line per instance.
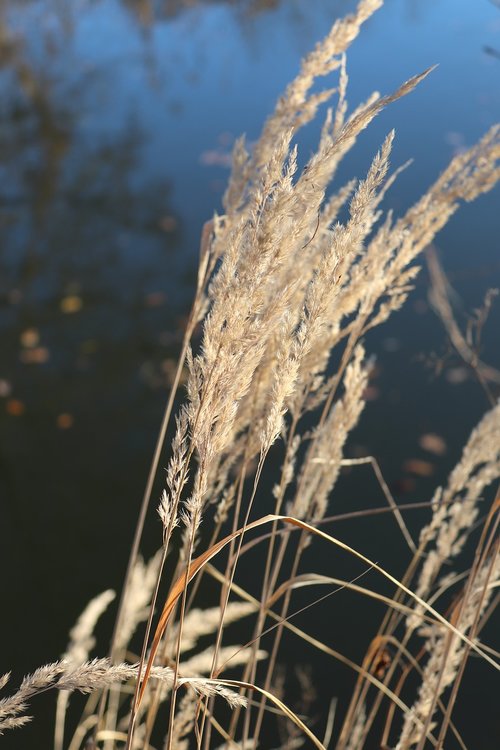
(30, 338)
(37, 356)
(419, 467)
(71, 304)
(155, 299)
(64, 421)
(433, 443)
(168, 223)
(371, 393)
(5, 388)
(457, 375)
(15, 407)
(215, 158)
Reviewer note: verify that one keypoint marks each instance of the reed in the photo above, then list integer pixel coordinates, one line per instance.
(284, 291)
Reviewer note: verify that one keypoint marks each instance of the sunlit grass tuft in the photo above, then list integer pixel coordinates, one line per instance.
(284, 290)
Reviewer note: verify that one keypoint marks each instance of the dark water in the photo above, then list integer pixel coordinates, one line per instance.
(117, 120)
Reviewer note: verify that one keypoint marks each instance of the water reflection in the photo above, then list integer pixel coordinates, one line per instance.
(73, 208)
(149, 11)
(89, 315)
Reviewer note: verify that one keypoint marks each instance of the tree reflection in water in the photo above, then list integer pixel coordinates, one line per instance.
(90, 302)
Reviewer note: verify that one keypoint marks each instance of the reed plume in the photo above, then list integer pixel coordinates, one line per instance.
(287, 295)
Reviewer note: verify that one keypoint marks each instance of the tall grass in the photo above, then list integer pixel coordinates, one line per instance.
(287, 296)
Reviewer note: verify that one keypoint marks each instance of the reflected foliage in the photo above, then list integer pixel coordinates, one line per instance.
(79, 215)
(90, 294)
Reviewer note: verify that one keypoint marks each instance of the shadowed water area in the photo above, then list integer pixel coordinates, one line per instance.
(117, 120)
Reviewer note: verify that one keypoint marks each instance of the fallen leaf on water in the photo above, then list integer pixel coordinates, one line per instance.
(15, 407)
(457, 375)
(371, 393)
(403, 485)
(155, 299)
(433, 443)
(5, 388)
(29, 338)
(37, 356)
(216, 158)
(64, 421)
(168, 223)
(419, 467)
(71, 304)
